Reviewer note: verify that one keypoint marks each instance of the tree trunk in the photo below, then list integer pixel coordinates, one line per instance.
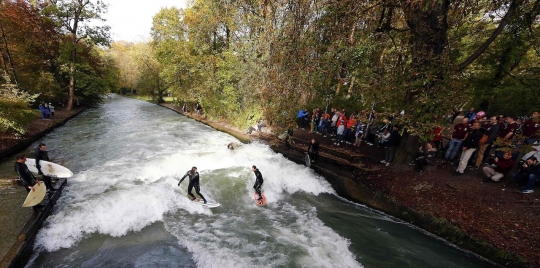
(8, 54)
(71, 96)
(428, 40)
(71, 93)
(407, 148)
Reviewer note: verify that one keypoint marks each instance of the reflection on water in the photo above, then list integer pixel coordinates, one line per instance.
(12, 215)
(123, 207)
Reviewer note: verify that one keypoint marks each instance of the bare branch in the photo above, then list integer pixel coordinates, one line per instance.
(494, 35)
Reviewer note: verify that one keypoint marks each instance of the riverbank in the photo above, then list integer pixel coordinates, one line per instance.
(493, 220)
(20, 224)
(21, 250)
(11, 144)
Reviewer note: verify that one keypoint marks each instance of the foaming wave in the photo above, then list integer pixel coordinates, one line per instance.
(283, 236)
(109, 204)
(124, 190)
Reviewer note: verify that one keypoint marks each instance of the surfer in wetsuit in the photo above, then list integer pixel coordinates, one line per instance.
(232, 146)
(27, 178)
(41, 154)
(313, 150)
(193, 182)
(258, 182)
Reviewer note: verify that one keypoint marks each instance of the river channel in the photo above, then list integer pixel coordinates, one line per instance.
(123, 207)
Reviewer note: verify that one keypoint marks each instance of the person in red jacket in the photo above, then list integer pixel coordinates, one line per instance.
(500, 169)
(349, 129)
(438, 138)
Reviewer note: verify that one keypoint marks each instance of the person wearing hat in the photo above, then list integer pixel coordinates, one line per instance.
(193, 183)
(258, 181)
(27, 178)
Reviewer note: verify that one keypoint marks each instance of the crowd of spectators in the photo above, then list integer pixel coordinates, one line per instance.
(491, 143)
(46, 109)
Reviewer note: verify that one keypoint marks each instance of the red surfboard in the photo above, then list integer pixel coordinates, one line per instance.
(259, 202)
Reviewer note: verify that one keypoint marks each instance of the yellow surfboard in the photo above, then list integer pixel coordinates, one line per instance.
(35, 197)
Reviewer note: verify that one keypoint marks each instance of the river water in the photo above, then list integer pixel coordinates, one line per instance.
(123, 207)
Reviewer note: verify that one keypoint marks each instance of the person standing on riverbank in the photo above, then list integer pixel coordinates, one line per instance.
(51, 109)
(198, 108)
(42, 109)
(393, 143)
(313, 150)
(193, 183)
(27, 178)
(42, 154)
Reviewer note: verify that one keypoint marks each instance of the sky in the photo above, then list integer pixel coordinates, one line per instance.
(131, 20)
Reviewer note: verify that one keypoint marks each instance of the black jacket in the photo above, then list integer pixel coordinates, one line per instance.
(492, 132)
(314, 147)
(473, 138)
(534, 169)
(394, 139)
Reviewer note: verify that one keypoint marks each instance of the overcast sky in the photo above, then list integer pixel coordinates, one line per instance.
(131, 20)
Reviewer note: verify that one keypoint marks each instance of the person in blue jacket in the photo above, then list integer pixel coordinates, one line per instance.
(300, 118)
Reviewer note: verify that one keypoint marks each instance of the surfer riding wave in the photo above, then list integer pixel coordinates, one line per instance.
(193, 183)
(258, 182)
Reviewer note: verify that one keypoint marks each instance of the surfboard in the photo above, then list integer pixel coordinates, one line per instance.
(35, 197)
(257, 202)
(209, 203)
(49, 168)
(308, 160)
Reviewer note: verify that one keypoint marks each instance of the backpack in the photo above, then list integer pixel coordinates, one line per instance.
(484, 139)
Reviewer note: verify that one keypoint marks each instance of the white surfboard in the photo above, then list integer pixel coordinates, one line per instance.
(49, 168)
(209, 203)
(35, 197)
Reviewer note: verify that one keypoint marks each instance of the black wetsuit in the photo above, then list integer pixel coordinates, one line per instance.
(258, 182)
(193, 183)
(314, 153)
(27, 178)
(43, 155)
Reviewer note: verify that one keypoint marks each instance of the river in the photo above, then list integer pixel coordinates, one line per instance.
(123, 207)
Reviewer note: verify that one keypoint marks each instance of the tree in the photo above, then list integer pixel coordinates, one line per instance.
(15, 113)
(74, 16)
(29, 46)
